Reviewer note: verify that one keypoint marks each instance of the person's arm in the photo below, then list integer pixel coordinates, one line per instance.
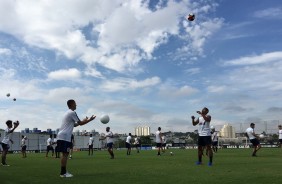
(206, 117)
(16, 124)
(84, 121)
(194, 122)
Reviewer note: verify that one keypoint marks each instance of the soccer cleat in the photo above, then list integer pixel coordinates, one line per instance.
(198, 163)
(67, 175)
(5, 165)
(210, 164)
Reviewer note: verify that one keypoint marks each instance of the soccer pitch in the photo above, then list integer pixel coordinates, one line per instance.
(230, 166)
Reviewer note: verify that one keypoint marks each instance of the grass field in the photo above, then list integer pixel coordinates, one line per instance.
(230, 166)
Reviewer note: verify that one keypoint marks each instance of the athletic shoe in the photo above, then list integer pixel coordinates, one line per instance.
(67, 175)
(210, 164)
(5, 165)
(198, 163)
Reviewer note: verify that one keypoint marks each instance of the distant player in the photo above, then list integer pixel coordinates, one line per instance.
(214, 137)
(163, 143)
(23, 145)
(6, 139)
(159, 141)
(204, 131)
(109, 138)
(57, 153)
(137, 143)
(250, 133)
(50, 146)
(90, 145)
(280, 135)
(128, 144)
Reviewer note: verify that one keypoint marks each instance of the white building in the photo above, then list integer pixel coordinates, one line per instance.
(227, 131)
(142, 131)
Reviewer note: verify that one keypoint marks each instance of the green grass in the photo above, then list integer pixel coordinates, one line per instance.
(230, 166)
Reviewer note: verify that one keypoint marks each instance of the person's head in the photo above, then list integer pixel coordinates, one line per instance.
(90, 135)
(9, 123)
(159, 129)
(22, 136)
(280, 126)
(55, 135)
(129, 134)
(51, 136)
(71, 104)
(205, 110)
(252, 125)
(108, 129)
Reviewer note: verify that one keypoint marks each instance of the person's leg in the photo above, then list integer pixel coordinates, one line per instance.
(4, 153)
(200, 154)
(64, 161)
(210, 154)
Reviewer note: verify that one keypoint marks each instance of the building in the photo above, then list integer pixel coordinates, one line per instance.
(227, 131)
(142, 131)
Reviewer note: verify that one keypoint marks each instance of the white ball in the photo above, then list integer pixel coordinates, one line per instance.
(171, 153)
(261, 136)
(105, 119)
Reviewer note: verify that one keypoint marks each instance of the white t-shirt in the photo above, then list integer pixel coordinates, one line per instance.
(69, 119)
(214, 137)
(204, 127)
(280, 134)
(91, 140)
(158, 138)
(136, 140)
(250, 132)
(23, 142)
(49, 141)
(7, 136)
(128, 139)
(109, 139)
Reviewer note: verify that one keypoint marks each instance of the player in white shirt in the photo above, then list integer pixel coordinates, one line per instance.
(57, 153)
(280, 135)
(70, 120)
(164, 143)
(250, 133)
(23, 145)
(90, 145)
(137, 143)
(128, 144)
(159, 141)
(204, 139)
(6, 139)
(214, 137)
(109, 139)
(50, 146)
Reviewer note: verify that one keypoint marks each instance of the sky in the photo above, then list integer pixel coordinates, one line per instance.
(141, 62)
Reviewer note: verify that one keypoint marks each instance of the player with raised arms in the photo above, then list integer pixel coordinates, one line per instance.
(204, 131)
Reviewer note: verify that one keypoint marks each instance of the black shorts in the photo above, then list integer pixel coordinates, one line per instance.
(159, 145)
(164, 145)
(64, 146)
(50, 148)
(127, 145)
(24, 148)
(90, 146)
(215, 143)
(5, 147)
(56, 149)
(204, 140)
(110, 145)
(137, 145)
(255, 142)
(280, 140)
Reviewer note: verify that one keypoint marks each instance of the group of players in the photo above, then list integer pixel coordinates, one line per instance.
(64, 139)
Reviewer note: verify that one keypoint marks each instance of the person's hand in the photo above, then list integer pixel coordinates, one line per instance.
(193, 117)
(199, 112)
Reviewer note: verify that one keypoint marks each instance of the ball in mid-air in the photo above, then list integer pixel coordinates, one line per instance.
(261, 136)
(8, 94)
(171, 153)
(105, 119)
(191, 17)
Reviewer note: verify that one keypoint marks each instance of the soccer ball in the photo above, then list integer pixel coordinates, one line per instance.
(8, 95)
(14, 99)
(191, 17)
(105, 119)
(171, 153)
(261, 136)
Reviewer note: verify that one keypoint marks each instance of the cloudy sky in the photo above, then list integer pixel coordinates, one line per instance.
(140, 61)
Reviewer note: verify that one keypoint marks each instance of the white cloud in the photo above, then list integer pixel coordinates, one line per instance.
(216, 89)
(269, 13)
(122, 84)
(171, 92)
(4, 51)
(71, 73)
(256, 59)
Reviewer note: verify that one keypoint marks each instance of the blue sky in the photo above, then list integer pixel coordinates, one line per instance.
(140, 62)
